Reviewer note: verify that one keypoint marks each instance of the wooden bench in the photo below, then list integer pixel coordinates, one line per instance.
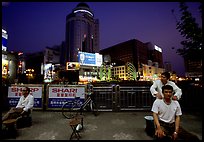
(73, 123)
(23, 121)
(9, 123)
(10, 127)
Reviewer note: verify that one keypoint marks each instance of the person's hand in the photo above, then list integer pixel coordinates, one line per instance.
(160, 133)
(175, 135)
(158, 95)
(22, 112)
(174, 98)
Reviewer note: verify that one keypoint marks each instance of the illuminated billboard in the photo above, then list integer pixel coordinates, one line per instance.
(4, 40)
(90, 59)
(48, 74)
(157, 48)
(4, 68)
(72, 66)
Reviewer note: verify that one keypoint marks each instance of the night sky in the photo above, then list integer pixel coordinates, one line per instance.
(32, 26)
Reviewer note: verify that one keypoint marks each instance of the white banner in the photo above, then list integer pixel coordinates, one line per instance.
(66, 92)
(16, 91)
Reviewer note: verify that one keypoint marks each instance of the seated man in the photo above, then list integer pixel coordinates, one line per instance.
(25, 104)
(166, 114)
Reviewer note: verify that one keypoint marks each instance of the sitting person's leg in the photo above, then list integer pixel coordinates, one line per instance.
(25, 119)
(12, 113)
(26, 113)
(185, 135)
(168, 131)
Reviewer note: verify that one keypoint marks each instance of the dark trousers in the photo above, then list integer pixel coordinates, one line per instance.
(12, 113)
(182, 133)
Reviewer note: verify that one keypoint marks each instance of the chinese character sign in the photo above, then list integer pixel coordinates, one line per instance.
(15, 92)
(60, 94)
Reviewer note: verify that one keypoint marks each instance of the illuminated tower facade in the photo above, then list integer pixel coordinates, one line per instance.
(82, 33)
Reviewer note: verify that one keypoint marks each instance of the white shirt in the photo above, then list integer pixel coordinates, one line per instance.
(157, 88)
(26, 103)
(166, 112)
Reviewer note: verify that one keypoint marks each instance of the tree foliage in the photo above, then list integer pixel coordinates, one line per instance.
(190, 30)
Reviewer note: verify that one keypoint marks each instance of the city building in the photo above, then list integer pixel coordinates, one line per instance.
(81, 43)
(82, 33)
(145, 57)
(81, 38)
(133, 51)
(129, 60)
(40, 66)
(193, 68)
(155, 54)
(9, 61)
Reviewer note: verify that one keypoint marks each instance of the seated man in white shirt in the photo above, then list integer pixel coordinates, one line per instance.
(166, 114)
(25, 104)
(156, 88)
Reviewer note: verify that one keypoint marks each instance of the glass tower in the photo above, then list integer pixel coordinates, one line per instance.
(82, 33)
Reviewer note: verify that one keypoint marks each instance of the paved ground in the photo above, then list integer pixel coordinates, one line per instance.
(51, 125)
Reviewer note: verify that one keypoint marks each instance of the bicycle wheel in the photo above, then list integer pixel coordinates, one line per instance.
(94, 108)
(68, 110)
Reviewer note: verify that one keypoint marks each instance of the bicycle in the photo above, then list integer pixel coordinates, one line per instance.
(72, 108)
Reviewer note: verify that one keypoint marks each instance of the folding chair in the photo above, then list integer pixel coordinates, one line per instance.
(74, 122)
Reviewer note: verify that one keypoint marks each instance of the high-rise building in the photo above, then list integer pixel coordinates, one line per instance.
(133, 51)
(193, 67)
(82, 33)
(145, 57)
(155, 54)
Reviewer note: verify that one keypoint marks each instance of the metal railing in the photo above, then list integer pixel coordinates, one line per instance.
(118, 98)
(103, 96)
(133, 97)
(115, 97)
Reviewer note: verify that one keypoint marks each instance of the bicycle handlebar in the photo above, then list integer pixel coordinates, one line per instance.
(87, 94)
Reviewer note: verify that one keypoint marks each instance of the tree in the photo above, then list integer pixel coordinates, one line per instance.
(190, 30)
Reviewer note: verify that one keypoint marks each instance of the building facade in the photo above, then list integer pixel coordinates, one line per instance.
(9, 61)
(193, 68)
(146, 58)
(155, 54)
(133, 51)
(82, 33)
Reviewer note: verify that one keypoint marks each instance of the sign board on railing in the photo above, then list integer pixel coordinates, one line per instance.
(58, 94)
(15, 92)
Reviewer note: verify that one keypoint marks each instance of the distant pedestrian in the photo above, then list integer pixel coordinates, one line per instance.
(166, 115)
(156, 88)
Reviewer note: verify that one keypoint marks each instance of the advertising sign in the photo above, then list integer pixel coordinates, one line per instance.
(89, 59)
(4, 44)
(72, 66)
(15, 92)
(57, 95)
(4, 40)
(4, 68)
